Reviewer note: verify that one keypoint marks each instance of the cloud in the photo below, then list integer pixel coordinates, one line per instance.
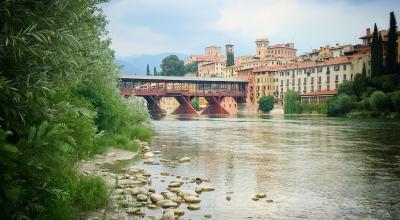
(146, 27)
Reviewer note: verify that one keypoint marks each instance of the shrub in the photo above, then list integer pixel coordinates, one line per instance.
(266, 103)
(292, 103)
(339, 105)
(379, 101)
(396, 101)
(346, 88)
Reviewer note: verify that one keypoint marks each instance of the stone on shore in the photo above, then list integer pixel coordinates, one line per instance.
(184, 193)
(255, 198)
(148, 154)
(207, 188)
(156, 197)
(168, 215)
(178, 212)
(174, 184)
(184, 160)
(142, 197)
(132, 210)
(261, 195)
(207, 216)
(111, 154)
(228, 198)
(192, 199)
(164, 174)
(169, 205)
(193, 206)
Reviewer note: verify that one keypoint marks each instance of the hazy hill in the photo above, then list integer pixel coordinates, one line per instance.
(137, 63)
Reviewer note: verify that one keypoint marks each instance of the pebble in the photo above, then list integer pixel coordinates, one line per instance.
(207, 216)
(141, 197)
(255, 198)
(174, 184)
(156, 197)
(178, 212)
(169, 204)
(148, 154)
(193, 206)
(111, 154)
(261, 195)
(184, 160)
(132, 210)
(168, 215)
(164, 174)
(228, 197)
(192, 199)
(269, 200)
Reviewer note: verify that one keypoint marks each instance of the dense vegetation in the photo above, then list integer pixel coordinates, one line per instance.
(376, 95)
(292, 105)
(59, 103)
(266, 103)
(172, 66)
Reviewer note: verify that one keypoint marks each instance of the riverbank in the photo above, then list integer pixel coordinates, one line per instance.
(135, 191)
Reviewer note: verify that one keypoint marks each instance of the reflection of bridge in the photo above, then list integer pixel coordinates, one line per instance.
(184, 89)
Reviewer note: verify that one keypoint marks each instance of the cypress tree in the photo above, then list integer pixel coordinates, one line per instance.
(148, 70)
(155, 71)
(364, 71)
(380, 69)
(391, 55)
(230, 59)
(374, 52)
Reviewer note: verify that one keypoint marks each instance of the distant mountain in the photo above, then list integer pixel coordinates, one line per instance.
(136, 64)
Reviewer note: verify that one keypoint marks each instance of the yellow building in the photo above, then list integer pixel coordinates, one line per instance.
(169, 104)
(263, 83)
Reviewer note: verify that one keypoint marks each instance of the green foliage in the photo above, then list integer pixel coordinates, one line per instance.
(391, 55)
(148, 70)
(360, 84)
(172, 66)
(291, 102)
(266, 103)
(380, 101)
(396, 101)
(346, 88)
(192, 67)
(311, 108)
(339, 105)
(376, 53)
(59, 103)
(196, 104)
(230, 59)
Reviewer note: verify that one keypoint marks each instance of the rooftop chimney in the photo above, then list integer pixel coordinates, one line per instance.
(368, 31)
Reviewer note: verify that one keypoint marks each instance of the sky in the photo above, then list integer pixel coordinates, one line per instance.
(138, 27)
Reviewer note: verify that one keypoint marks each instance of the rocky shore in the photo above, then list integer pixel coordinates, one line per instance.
(132, 193)
(138, 192)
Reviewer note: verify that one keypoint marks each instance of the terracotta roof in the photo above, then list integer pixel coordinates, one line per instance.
(310, 64)
(322, 92)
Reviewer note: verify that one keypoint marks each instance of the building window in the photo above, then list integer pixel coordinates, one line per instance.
(319, 69)
(344, 77)
(319, 87)
(305, 88)
(312, 88)
(312, 79)
(305, 80)
(319, 79)
(328, 79)
(351, 77)
(336, 86)
(337, 78)
(328, 87)
(344, 67)
(336, 68)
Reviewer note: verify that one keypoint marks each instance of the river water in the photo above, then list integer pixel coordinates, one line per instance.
(311, 167)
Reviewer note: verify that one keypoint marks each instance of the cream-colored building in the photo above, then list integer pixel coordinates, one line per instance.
(309, 77)
(213, 69)
(169, 104)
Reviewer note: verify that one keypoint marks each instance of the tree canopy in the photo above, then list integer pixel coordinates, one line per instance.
(172, 66)
(266, 103)
(59, 103)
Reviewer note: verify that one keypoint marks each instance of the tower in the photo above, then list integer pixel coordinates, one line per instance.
(262, 47)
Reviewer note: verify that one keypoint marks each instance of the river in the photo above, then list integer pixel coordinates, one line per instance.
(310, 167)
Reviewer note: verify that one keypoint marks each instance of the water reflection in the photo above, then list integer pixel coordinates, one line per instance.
(311, 167)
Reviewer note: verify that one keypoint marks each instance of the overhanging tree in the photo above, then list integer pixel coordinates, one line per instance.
(172, 66)
(148, 70)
